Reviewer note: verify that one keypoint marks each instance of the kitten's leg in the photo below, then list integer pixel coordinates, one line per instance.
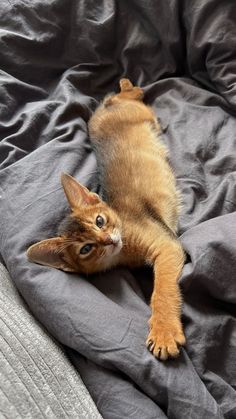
(166, 331)
(126, 85)
(128, 91)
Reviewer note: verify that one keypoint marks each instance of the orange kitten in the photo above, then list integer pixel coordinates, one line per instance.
(139, 225)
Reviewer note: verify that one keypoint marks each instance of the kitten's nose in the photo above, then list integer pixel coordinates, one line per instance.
(111, 239)
(108, 240)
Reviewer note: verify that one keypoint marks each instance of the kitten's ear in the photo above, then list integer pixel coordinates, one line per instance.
(47, 252)
(76, 193)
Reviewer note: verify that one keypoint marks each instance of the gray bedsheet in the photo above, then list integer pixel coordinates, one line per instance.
(57, 60)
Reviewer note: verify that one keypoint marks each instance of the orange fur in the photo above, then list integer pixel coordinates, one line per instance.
(143, 208)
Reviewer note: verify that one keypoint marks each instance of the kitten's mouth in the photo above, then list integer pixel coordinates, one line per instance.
(116, 247)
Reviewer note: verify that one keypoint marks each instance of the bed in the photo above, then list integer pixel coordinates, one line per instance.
(57, 60)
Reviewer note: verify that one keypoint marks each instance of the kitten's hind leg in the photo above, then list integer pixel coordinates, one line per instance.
(126, 85)
(166, 332)
(128, 91)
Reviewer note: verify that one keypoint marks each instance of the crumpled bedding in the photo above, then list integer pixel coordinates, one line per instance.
(57, 60)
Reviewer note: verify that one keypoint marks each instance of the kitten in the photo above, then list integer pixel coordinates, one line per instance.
(139, 225)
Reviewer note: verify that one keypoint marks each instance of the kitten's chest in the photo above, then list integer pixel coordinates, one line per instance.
(136, 243)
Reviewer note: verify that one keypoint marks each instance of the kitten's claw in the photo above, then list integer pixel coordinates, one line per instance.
(150, 345)
(164, 340)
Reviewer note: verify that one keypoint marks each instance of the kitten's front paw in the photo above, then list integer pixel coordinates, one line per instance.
(164, 339)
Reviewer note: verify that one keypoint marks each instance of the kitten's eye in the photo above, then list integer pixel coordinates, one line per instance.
(86, 249)
(100, 221)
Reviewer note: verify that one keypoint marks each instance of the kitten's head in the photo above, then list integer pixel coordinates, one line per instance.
(89, 238)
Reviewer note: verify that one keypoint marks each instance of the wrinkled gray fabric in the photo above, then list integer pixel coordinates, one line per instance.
(58, 59)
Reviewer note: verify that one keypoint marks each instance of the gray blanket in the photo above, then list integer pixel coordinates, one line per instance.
(58, 59)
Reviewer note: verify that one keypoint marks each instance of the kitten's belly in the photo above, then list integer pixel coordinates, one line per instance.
(142, 175)
(139, 175)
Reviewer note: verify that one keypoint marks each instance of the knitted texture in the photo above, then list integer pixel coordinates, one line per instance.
(36, 378)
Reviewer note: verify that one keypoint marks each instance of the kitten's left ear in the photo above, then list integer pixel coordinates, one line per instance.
(48, 253)
(77, 194)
